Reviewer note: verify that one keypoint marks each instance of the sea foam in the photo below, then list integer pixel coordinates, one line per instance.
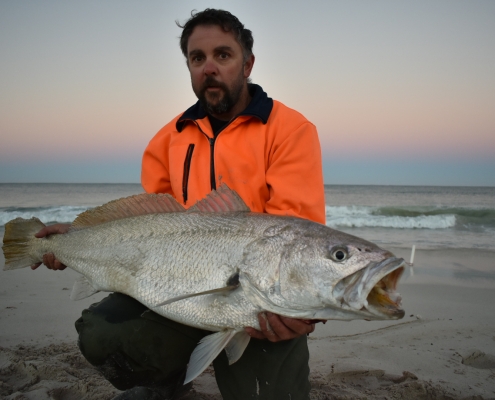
(369, 217)
(47, 215)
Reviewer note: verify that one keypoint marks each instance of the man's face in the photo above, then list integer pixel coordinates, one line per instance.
(218, 72)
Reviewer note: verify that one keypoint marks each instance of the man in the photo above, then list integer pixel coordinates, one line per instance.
(270, 155)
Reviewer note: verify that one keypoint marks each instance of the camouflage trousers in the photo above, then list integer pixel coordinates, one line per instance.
(133, 346)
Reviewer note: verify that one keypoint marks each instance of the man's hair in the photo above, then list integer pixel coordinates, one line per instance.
(223, 19)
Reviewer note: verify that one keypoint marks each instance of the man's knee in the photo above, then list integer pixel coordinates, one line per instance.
(133, 346)
(100, 326)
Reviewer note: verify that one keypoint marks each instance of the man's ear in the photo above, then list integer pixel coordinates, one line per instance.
(248, 66)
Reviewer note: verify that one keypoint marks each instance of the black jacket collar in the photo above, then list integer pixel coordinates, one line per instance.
(260, 107)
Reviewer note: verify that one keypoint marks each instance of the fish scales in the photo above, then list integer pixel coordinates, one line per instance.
(217, 270)
(156, 257)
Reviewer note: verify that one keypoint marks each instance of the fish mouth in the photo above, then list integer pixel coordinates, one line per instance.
(383, 298)
(372, 290)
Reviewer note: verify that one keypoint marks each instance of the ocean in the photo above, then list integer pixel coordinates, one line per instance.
(429, 217)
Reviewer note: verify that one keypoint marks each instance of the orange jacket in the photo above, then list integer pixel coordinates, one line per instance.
(269, 154)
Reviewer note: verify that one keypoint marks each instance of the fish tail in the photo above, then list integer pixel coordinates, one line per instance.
(17, 242)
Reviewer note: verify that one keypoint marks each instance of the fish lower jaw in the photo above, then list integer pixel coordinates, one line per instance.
(379, 304)
(382, 300)
(385, 313)
(384, 303)
(371, 292)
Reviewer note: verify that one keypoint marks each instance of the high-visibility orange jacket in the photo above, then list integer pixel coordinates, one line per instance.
(269, 154)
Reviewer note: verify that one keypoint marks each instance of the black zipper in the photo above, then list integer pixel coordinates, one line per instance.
(187, 168)
(213, 181)
(212, 140)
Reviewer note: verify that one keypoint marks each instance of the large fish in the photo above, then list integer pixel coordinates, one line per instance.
(216, 265)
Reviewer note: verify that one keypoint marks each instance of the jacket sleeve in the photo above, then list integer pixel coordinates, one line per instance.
(295, 177)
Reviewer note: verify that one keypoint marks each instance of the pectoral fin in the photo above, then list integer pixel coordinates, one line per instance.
(232, 284)
(82, 288)
(205, 352)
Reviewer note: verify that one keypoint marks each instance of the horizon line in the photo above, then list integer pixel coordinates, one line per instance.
(325, 184)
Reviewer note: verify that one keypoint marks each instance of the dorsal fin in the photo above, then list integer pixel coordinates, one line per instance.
(223, 199)
(139, 204)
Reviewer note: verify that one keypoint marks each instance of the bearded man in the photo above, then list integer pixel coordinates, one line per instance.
(270, 155)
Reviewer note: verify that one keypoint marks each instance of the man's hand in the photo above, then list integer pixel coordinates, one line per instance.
(276, 328)
(49, 259)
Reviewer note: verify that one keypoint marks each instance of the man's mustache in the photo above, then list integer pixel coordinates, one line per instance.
(211, 82)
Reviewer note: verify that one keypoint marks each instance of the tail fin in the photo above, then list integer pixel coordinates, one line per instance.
(16, 242)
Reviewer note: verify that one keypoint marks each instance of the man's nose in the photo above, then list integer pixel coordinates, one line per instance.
(210, 68)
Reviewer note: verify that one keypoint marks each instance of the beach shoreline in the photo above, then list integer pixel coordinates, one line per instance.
(444, 347)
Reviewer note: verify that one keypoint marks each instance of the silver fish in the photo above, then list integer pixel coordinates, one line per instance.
(217, 265)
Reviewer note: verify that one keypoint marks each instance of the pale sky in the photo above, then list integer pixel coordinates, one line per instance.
(401, 92)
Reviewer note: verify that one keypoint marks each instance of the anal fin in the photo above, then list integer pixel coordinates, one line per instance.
(235, 348)
(82, 288)
(205, 352)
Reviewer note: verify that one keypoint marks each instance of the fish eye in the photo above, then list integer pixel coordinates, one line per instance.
(338, 254)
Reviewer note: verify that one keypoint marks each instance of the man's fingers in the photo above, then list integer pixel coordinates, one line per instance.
(265, 332)
(52, 229)
(52, 263)
(48, 260)
(254, 333)
(299, 326)
(276, 328)
(279, 331)
(34, 266)
(47, 230)
(58, 265)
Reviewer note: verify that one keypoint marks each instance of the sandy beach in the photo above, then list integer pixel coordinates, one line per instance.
(444, 348)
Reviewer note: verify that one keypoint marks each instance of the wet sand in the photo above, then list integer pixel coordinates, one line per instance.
(444, 348)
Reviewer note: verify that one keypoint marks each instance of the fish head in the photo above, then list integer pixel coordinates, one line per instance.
(341, 276)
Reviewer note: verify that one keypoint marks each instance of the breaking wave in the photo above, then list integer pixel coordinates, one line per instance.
(47, 215)
(337, 216)
(409, 218)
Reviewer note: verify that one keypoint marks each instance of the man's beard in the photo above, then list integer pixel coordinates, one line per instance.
(224, 102)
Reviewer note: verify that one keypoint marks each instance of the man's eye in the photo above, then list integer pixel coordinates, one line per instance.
(223, 56)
